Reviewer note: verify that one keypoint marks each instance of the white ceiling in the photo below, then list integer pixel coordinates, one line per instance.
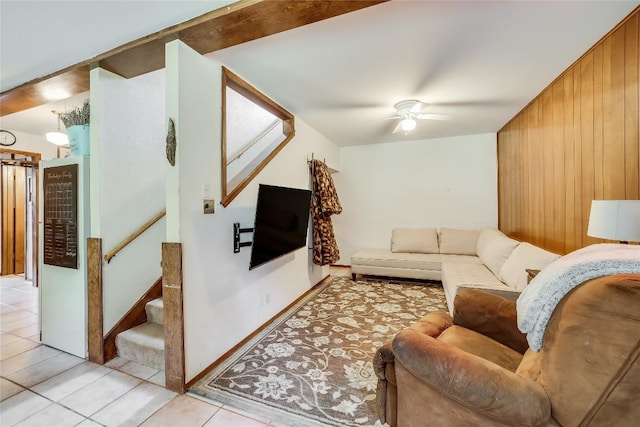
(479, 61)
(42, 37)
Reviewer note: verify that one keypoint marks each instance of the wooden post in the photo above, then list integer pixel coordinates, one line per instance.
(173, 316)
(94, 297)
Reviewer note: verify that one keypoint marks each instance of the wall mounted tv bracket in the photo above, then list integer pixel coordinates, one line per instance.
(236, 237)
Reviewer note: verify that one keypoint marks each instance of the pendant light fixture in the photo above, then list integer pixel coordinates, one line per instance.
(57, 138)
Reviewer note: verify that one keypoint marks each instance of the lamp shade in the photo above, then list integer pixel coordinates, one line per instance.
(615, 220)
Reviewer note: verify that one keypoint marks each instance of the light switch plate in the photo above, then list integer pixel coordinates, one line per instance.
(206, 190)
(208, 206)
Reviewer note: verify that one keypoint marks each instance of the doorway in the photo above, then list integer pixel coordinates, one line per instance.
(19, 226)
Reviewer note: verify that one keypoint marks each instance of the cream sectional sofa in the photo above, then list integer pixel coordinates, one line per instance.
(480, 259)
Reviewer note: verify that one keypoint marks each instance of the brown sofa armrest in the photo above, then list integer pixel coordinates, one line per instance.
(433, 324)
(490, 315)
(471, 381)
(383, 365)
(381, 359)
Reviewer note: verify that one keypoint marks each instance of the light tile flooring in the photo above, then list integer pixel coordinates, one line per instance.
(42, 386)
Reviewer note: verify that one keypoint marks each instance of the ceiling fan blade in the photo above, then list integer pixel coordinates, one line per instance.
(432, 116)
(398, 128)
(384, 118)
(418, 106)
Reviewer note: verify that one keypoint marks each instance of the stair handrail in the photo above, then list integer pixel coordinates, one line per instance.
(253, 142)
(131, 237)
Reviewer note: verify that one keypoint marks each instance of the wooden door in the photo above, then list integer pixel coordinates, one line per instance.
(13, 219)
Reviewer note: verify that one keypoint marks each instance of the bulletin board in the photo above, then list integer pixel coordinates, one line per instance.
(60, 221)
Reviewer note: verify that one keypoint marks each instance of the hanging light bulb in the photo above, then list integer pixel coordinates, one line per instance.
(408, 124)
(57, 138)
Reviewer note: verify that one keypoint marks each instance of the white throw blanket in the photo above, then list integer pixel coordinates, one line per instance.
(539, 299)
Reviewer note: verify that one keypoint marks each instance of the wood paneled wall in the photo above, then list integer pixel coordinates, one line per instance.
(576, 142)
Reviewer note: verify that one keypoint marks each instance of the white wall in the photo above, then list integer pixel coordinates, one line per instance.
(34, 144)
(223, 300)
(127, 179)
(447, 182)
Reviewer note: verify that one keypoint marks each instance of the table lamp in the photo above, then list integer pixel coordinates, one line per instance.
(615, 220)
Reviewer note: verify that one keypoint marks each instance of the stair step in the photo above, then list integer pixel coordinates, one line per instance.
(155, 309)
(143, 344)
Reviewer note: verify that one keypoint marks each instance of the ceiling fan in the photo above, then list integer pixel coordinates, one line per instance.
(411, 110)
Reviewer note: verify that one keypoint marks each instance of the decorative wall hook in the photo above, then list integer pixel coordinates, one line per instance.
(171, 143)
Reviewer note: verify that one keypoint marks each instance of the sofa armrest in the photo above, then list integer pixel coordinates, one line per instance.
(433, 324)
(470, 381)
(382, 358)
(383, 365)
(490, 315)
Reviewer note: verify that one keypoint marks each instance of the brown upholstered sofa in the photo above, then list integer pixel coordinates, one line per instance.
(475, 369)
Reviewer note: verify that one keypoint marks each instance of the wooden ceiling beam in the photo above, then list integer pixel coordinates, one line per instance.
(54, 87)
(264, 19)
(228, 26)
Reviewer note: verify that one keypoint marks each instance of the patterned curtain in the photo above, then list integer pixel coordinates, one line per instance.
(324, 203)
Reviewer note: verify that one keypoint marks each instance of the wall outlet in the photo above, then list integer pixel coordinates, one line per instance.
(208, 206)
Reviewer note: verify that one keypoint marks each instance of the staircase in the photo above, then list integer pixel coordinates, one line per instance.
(144, 344)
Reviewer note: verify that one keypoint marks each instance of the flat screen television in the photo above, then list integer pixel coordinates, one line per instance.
(281, 223)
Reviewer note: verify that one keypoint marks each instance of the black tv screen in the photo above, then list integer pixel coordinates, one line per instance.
(282, 218)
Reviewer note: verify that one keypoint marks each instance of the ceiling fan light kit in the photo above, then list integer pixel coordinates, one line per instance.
(409, 111)
(410, 106)
(408, 124)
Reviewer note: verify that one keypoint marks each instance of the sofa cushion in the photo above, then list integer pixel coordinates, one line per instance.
(468, 259)
(459, 275)
(494, 248)
(462, 242)
(385, 258)
(470, 275)
(416, 240)
(523, 257)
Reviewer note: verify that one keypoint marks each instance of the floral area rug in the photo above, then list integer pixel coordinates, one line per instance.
(314, 365)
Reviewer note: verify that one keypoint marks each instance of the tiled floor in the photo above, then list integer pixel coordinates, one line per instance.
(42, 386)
